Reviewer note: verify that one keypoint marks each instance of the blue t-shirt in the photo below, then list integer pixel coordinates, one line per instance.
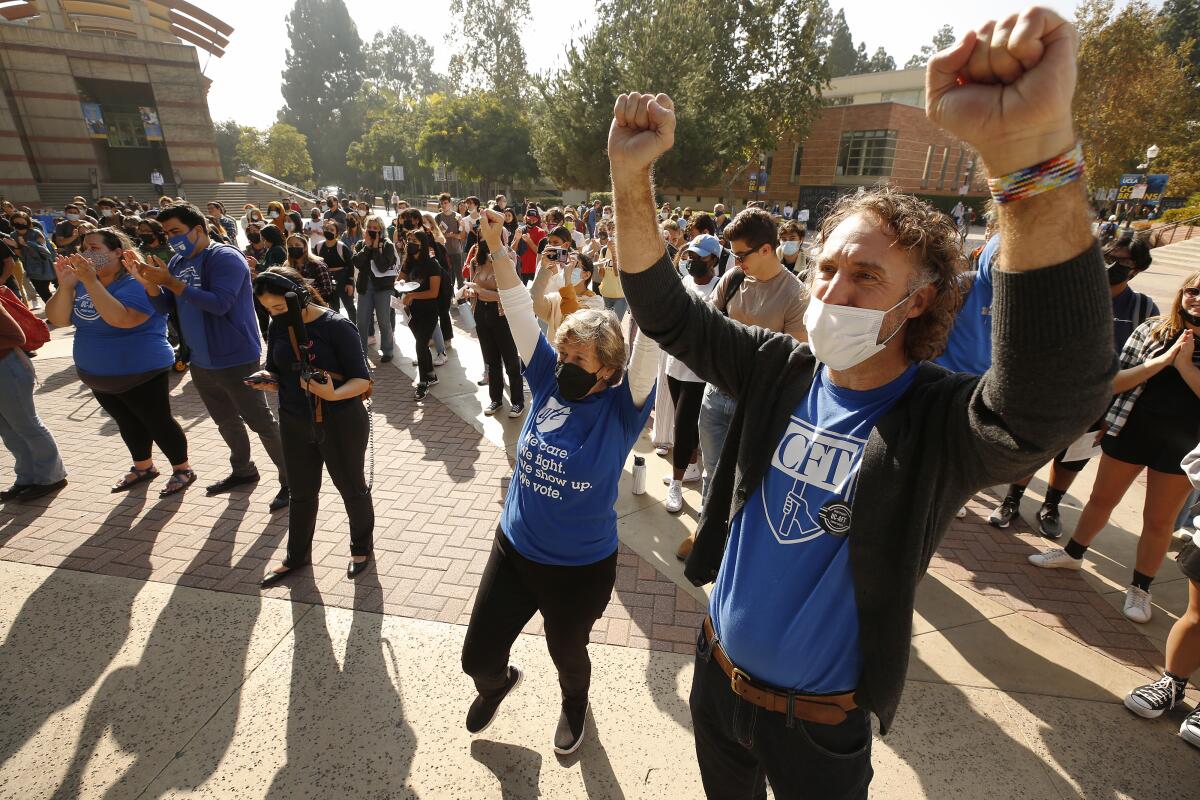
(101, 349)
(969, 348)
(560, 504)
(783, 604)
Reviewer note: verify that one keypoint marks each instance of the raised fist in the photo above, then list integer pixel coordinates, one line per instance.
(643, 128)
(1006, 89)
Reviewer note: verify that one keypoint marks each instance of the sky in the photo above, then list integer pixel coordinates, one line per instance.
(255, 57)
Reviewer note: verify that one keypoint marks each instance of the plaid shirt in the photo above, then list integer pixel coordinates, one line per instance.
(1140, 347)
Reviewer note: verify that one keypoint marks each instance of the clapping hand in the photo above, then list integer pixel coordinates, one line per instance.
(65, 273)
(1006, 88)
(84, 269)
(1184, 350)
(154, 271)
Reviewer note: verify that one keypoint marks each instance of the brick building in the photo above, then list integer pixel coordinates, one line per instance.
(94, 96)
(871, 129)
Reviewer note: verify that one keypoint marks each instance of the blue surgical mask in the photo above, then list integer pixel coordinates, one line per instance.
(180, 244)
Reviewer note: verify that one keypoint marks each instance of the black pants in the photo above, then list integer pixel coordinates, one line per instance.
(342, 449)
(422, 320)
(42, 288)
(444, 316)
(686, 397)
(740, 746)
(571, 599)
(143, 415)
(499, 353)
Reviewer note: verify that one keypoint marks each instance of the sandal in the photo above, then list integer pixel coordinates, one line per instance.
(180, 479)
(139, 476)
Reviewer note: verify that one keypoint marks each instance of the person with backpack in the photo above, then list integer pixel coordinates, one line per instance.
(209, 286)
(337, 254)
(39, 467)
(35, 251)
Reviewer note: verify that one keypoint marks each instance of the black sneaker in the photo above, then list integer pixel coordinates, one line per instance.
(282, 499)
(18, 489)
(1049, 524)
(433, 379)
(483, 711)
(41, 490)
(230, 483)
(482, 381)
(1151, 700)
(1008, 510)
(516, 411)
(422, 390)
(491, 408)
(568, 736)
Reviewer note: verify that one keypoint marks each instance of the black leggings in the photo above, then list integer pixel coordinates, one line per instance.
(42, 288)
(422, 320)
(687, 396)
(444, 317)
(512, 588)
(342, 450)
(499, 353)
(143, 415)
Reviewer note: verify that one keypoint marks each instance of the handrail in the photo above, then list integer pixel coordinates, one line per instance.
(271, 180)
(1159, 230)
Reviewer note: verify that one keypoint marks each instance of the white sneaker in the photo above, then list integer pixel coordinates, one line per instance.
(675, 497)
(439, 359)
(693, 473)
(1055, 559)
(962, 512)
(1189, 731)
(1137, 605)
(661, 451)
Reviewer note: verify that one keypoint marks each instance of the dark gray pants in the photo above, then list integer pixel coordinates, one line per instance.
(233, 405)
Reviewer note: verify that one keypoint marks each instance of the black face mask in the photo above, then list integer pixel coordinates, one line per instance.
(1190, 319)
(330, 235)
(413, 250)
(147, 240)
(21, 226)
(295, 253)
(1118, 273)
(574, 382)
(254, 238)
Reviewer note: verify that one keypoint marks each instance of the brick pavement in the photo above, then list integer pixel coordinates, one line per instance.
(438, 489)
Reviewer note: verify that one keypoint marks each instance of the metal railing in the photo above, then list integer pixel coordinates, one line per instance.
(281, 185)
(1161, 230)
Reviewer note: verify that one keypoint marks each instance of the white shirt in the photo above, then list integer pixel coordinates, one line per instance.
(675, 368)
(803, 216)
(315, 228)
(156, 178)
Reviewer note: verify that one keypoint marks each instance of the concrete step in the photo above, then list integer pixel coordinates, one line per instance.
(1183, 255)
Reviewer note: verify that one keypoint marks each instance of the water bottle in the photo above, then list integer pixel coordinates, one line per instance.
(639, 475)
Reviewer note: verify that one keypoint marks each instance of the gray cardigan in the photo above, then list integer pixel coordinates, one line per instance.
(947, 437)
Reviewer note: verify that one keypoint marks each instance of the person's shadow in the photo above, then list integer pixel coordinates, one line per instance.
(346, 731)
(69, 630)
(515, 767)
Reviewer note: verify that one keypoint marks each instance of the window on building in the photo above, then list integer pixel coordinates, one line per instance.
(928, 166)
(942, 172)
(844, 100)
(797, 160)
(866, 153)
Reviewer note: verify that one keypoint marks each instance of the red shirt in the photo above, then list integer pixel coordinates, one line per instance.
(529, 255)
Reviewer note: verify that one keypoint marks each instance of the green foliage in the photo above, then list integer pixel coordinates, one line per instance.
(229, 136)
(1133, 91)
(605, 198)
(757, 95)
(1180, 27)
(280, 151)
(483, 135)
(843, 57)
(1180, 214)
(941, 40)
(322, 77)
(488, 53)
(402, 64)
(880, 61)
(392, 130)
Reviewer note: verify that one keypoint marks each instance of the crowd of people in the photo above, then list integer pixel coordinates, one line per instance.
(838, 401)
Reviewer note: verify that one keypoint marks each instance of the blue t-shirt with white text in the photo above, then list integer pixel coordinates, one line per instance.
(560, 507)
(783, 604)
(103, 349)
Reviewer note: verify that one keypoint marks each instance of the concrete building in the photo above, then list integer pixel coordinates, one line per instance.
(871, 129)
(94, 96)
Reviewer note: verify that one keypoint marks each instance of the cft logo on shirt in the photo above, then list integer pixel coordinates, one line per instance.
(822, 467)
(551, 416)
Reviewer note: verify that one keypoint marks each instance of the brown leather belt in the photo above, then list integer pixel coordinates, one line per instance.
(826, 709)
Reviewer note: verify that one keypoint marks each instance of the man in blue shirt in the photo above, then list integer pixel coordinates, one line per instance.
(208, 286)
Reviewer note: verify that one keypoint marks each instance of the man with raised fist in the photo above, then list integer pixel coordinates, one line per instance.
(849, 455)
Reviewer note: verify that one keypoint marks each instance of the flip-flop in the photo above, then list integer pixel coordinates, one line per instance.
(143, 475)
(175, 486)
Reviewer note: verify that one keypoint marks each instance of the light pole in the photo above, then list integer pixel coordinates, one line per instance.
(1151, 154)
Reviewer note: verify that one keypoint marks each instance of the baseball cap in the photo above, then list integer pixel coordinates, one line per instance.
(705, 245)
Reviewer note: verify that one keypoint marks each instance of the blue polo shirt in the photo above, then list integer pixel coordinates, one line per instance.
(560, 504)
(783, 604)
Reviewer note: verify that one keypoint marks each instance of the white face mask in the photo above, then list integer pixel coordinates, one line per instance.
(289, 227)
(273, 214)
(842, 337)
(789, 248)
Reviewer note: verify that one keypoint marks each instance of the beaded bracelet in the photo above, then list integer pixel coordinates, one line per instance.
(1050, 174)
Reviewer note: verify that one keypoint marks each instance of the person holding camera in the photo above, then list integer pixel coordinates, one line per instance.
(377, 264)
(557, 261)
(316, 364)
(556, 544)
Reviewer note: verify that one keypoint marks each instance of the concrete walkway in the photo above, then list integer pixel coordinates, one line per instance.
(141, 661)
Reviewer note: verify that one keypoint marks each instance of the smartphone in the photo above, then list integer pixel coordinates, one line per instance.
(556, 254)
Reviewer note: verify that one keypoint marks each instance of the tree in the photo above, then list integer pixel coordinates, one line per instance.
(1179, 24)
(880, 61)
(229, 137)
(393, 127)
(322, 77)
(1134, 90)
(482, 135)
(402, 63)
(941, 40)
(843, 57)
(488, 53)
(281, 151)
(726, 116)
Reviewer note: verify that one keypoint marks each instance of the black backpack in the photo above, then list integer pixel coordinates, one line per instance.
(736, 277)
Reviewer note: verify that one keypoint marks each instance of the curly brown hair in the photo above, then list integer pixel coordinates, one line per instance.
(931, 238)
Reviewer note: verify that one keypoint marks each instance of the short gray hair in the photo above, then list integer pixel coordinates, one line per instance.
(599, 328)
